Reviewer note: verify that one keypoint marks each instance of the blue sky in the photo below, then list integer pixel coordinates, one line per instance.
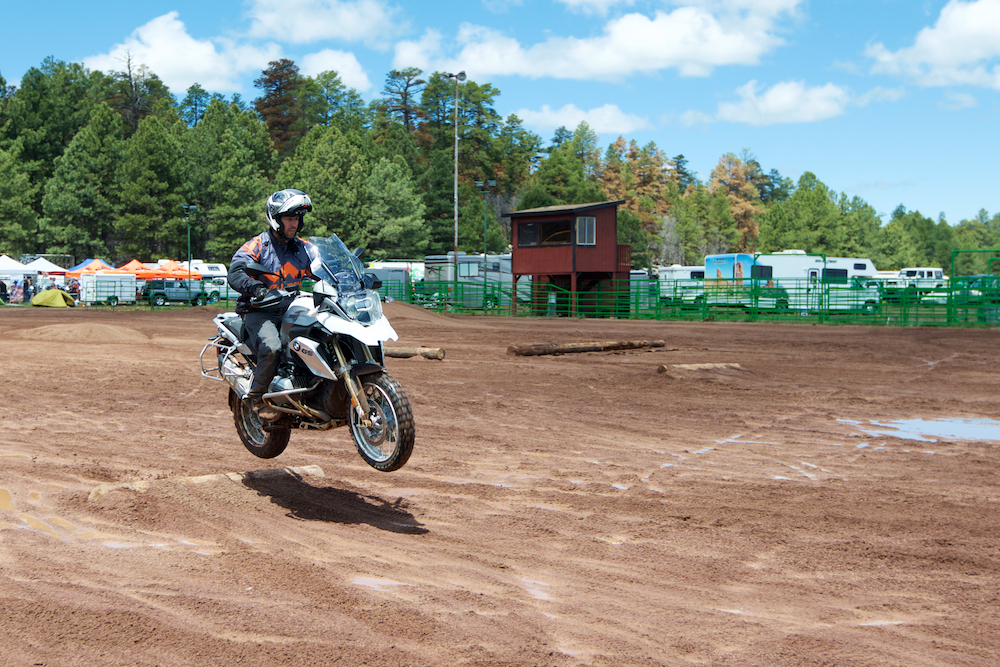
(893, 101)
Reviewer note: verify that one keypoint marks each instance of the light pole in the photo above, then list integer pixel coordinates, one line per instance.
(187, 219)
(484, 188)
(458, 77)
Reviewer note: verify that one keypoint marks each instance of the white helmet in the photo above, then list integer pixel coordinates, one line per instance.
(287, 202)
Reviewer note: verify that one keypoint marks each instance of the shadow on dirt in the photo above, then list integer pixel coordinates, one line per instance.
(310, 503)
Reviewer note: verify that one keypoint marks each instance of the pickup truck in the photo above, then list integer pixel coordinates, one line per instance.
(160, 292)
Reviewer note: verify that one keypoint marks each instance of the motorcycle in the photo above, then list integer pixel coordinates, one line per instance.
(331, 371)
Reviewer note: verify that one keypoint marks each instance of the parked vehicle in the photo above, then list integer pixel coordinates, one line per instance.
(208, 270)
(195, 292)
(479, 284)
(222, 288)
(109, 288)
(791, 279)
(332, 369)
(395, 281)
(681, 285)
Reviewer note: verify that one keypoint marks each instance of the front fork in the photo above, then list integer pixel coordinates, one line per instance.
(358, 399)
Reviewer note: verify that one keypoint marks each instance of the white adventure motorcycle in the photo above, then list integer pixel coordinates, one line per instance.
(332, 368)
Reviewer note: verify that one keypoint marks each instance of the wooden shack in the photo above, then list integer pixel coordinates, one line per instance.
(571, 251)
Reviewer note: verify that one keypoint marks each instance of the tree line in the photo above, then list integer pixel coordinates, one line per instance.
(112, 165)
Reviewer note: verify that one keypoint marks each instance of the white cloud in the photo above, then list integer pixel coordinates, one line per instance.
(420, 53)
(880, 94)
(785, 102)
(689, 39)
(695, 117)
(956, 101)
(304, 21)
(179, 60)
(594, 6)
(608, 119)
(960, 49)
(501, 6)
(344, 63)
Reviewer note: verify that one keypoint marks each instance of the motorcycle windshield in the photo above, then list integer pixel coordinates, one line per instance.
(334, 263)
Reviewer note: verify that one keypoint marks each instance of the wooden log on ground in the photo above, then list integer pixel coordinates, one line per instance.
(536, 349)
(407, 352)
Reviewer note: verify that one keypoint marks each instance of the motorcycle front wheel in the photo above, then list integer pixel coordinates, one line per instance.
(388, 443)
(260, 443)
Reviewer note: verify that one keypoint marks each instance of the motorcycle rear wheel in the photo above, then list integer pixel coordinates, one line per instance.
(387, 445)
(262, 444)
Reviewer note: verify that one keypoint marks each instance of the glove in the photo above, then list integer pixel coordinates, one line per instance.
(259, 291)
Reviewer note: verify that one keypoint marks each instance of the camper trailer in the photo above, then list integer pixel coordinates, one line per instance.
(791, 279)
(479, 284)
(110, 288)
(681, 285)
(208, 270)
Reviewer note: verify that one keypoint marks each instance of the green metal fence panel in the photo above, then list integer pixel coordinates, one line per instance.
(858, 301)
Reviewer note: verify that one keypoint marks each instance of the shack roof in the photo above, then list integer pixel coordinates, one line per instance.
(567, 208)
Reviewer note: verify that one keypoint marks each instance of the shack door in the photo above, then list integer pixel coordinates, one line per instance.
(814, 292)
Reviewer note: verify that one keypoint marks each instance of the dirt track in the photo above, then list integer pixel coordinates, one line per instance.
(580, 509)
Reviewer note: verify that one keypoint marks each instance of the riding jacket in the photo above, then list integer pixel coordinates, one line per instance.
(287, 263)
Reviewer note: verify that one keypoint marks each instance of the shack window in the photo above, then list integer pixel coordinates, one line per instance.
(586, 230)
(556, 232)
(835, 275)
(527, 233)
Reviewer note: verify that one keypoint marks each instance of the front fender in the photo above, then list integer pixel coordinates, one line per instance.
(377, 333)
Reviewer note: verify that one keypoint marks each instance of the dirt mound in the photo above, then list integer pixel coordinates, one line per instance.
(84, 332)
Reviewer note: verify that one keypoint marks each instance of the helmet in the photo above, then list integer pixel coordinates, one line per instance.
(286, 202)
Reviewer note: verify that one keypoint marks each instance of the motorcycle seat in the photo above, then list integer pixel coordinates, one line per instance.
(235, 324)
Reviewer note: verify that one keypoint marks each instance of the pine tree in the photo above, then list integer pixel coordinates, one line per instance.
(135, 93)
(401, 95)
(732, 176)
(195, 104)
(279, 105)
(17, 220)
(149, 187)
(80, 205)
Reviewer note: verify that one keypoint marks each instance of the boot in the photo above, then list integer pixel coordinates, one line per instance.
(263, 410)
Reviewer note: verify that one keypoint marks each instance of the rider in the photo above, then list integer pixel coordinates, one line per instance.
(286, 259)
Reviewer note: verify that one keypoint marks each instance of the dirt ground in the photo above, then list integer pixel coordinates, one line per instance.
(582, 509)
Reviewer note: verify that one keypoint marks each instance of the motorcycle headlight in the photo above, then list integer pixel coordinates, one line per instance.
(363, 307)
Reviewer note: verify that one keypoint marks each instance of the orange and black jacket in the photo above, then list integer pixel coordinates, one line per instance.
(287, 263)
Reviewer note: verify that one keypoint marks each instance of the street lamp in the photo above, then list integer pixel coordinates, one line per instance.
(458, 77)
(484, 188)
(187, 219)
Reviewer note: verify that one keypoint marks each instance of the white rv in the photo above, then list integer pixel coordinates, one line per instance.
(792, 279)
(208, 270)
(815, 282)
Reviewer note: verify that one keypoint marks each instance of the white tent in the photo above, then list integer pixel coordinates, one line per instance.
(42, 265)
(11, 267)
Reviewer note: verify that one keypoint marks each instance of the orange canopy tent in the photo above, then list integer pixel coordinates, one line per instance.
(133, 266)
(168, 270)
(175, 271)
(97, 266)
(141, 271)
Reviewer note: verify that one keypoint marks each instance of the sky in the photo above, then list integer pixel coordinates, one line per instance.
(892, 101)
